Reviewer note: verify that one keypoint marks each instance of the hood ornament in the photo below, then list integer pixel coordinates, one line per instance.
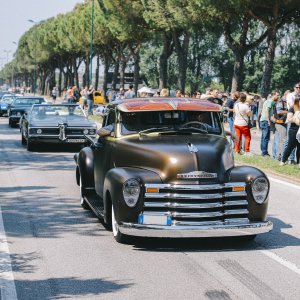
(197, 174)
(62, 131)
(192, 148)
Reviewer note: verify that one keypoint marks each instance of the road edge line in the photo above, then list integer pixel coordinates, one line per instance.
(7, 283)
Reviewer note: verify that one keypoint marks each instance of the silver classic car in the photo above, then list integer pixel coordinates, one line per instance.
(56, 124)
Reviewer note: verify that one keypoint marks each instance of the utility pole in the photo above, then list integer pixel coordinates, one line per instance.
(92, 42)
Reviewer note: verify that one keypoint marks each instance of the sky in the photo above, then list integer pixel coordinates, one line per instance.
(14, 16)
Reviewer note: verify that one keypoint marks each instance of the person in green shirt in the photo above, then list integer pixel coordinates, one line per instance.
(265, 122)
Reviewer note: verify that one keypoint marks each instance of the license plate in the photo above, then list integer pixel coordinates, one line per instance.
(154, 220)
(75, 140)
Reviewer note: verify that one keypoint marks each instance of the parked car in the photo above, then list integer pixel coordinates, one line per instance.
(19, 106)
(5, 102)
(165, 168)
(56, 124)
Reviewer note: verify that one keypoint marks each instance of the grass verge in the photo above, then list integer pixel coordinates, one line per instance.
(270, 165)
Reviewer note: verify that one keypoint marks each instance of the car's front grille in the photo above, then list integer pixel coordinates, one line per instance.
(197, 204)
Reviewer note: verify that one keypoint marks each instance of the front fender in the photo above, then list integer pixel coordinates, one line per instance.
(247, 174)
(113, 190)
(85, 163)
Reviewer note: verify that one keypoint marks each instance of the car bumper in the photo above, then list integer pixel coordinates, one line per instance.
(160, 231)
(55, 140)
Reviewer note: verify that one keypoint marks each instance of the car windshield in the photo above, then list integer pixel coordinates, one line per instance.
(6, 99)
(41, 111)
(169, 121)
(28, 101)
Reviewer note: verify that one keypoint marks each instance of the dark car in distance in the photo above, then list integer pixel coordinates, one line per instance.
(56, 124)
(19, 106)
(163, 167)
(5, 102)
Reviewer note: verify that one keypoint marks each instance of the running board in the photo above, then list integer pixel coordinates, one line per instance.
(95, 202)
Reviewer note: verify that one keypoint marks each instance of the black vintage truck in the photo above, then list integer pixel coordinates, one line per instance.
(163, 167)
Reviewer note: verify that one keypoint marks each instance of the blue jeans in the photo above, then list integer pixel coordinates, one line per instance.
(275, 147)
(265, 137)
(292, 155)
(90, 106)
(230, 121)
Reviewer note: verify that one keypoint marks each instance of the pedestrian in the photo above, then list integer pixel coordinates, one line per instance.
(54, 93)
(265, 122)
(292, 132)
(290, 102)
(76, 94)
(121, 94)
(70, 97)
(130, 93)
(215, 97)
(279, 118)
(164, 93)
(242, 113)
(90, 100)
(84, 95)
(230, 104)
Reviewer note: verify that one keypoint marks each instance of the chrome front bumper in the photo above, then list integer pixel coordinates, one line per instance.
(163, 231)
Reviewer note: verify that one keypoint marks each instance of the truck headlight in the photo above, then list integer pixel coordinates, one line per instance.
(260, 189)
(131, 192)
(85, 131)
(39, 131)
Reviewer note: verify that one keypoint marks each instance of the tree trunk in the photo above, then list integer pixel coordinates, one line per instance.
(122, 73)
(269, 61)
(237, 78)
(87, 69)
(136, 71)
(163, 60)
(105, 76)
(182, 55)
(115, 77)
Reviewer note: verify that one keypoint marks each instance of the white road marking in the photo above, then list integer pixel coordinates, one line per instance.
(7, 283)
(282, 261)
(294, 186)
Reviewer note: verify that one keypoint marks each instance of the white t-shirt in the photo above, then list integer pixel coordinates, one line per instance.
(240, 114)
(290, 98)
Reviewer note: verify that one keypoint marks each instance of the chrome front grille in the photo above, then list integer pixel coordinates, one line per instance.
(197, 204)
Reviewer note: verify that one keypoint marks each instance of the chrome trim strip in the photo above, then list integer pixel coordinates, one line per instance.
(251, 228)
(182, 205)
(235, 194)
(183, 196)
(236, 212)
(235, 202)
(196, 187)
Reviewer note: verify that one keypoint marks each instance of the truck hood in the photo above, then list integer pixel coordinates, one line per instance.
(176, 158)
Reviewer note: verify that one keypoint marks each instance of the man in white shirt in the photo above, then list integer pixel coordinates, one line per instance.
(291, 96)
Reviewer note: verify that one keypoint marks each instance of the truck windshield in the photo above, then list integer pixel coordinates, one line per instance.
(187, 121)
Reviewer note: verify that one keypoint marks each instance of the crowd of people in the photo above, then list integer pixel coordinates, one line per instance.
(278, 113)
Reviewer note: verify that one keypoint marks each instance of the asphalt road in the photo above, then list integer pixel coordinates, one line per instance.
(51, 248)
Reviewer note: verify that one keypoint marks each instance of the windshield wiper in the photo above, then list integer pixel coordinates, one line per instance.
(153, 129)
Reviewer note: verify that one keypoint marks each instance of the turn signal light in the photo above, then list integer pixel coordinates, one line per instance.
(238, 188)
(152, 190)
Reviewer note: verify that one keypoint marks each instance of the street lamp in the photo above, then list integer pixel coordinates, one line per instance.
(91, 43)
(34, 72)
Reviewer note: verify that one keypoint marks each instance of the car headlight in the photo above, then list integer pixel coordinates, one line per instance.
(260, 189)
(39, 131)
(92, 131)
(131, 192)
(85, 131)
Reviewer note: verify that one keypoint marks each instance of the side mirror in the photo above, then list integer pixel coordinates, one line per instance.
(105, 131)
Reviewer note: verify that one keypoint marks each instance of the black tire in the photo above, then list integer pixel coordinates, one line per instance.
(83, 202)
(30, 146)
(119, 237)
